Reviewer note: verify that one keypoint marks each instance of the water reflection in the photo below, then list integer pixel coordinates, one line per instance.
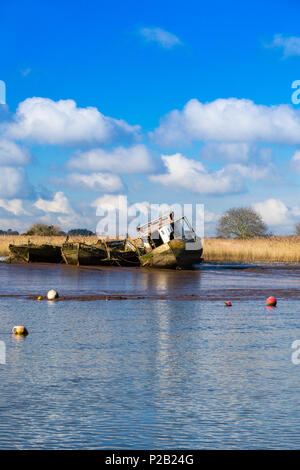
(145, 373)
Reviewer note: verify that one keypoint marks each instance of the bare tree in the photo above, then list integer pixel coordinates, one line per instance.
(297, 227)
(241, 222)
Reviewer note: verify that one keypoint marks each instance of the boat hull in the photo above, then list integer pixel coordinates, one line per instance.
(172, 255)
(80, 254)
(122, 253)
(124, 258)
(35, 254)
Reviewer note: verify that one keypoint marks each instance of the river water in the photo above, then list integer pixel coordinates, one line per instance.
(137, 359)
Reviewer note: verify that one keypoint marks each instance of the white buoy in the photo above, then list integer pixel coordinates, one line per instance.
(52, 294)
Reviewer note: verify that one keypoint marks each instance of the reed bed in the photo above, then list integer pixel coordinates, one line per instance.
(268, 249)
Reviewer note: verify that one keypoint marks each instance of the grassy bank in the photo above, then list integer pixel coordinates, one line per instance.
(271, 249)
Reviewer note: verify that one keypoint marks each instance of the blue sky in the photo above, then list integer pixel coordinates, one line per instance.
(226, 67)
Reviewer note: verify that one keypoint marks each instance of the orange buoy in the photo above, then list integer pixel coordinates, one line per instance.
(271, 302)
(228, 303)
(20, 330)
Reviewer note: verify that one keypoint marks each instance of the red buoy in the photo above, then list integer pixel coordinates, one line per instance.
(271, 302)
(228, 303)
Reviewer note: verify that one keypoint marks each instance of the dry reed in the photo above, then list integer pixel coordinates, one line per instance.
(267, 249)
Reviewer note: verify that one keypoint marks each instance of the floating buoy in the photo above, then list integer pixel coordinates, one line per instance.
(52, 294)
(40, 298)
(271, 302)
(228, 303)
(20, 330)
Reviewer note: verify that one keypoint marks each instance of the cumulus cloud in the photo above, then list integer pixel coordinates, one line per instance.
(290, 44)
(14, 183)
(13, 154)
(161, 37)
(59, 204)
(190, 174)
(45, 121)
(135, 159)
(185, 173)
(15, 206)
(229, 120)
(276, 212)
(95, 182)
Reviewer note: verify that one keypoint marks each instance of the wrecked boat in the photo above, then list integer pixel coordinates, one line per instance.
(81, 254)
(104, 253)
(169, 243)
(32, 253)
(122, 253)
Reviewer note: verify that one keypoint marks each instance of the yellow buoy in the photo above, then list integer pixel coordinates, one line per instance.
(20, 330)
(39, 298)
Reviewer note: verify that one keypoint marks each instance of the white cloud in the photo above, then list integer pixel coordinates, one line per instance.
(276, 212)
(190, 174)
(160, 36)
(15, 206)
(14, 183)
(290, 45)
(229, 120)
(186, 173)
(135, 159)
(13, 154)
(59, 204)
(95, 182)
(62, 122)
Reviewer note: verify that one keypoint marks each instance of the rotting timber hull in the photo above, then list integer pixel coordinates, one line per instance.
(124, 258)
(35, 254)
(80, 254)
(174, 254)
(122, 253)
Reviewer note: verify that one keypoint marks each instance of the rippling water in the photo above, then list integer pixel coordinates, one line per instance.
(146, 374)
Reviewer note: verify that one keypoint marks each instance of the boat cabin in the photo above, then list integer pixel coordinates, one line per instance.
(164, 229)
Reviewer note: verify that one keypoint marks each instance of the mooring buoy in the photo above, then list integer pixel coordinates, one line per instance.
(271, 302)
(228, 303)
(52, 294)
(20, 330)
